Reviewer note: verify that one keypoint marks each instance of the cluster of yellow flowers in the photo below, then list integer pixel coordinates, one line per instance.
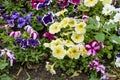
(68, 46)
(91, 3)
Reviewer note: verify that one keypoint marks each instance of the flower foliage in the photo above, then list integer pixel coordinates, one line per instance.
(72, 35)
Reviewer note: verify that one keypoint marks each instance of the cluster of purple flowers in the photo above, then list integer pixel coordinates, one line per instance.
(24, 44)
(47, 19)
(39, 4)
(97, 66)
(15, 17)
(10, 55)
(94, 47)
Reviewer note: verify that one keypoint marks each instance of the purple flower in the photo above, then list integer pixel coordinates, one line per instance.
(39, 19)
(104, 77)
(21, 22)
(10, 57)
(1, 7)
(97, 66)
(23, 44)
(39, 6)
(101, 68)
(48, 18)
(75, 2)
(94, 63)
(118, 55)
(28, 17)
(47, 2)
(33, 42)
(18, 40)
(49, 36)
(65, 3)
(15, 14)
(93, 47)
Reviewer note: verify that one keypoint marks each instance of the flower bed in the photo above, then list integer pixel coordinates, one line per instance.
(74, 36)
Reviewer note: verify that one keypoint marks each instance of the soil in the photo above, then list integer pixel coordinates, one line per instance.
(38, 72)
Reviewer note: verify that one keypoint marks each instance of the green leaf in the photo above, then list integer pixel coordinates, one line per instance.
(109, 26)
(115, 39)
(3, 65)
(100, 37)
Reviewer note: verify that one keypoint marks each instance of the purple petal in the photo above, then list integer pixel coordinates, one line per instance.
(75, 2)
(97, 48)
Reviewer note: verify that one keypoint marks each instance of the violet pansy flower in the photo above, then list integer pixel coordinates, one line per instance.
(21, 22)
(93, 47)
(48, 18)
(33, 42)
(15, 14)
(23, 44)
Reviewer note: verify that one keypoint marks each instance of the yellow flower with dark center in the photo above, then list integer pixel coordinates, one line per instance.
(77, 38)
(73, 52)
(72, 22)
(64, 22)
(54, 28)
(80, 28)
(59, 52)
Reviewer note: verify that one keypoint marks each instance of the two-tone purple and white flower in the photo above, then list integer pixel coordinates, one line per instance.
(94, 47)
(31, 31)
(95, 64)
(47, 19)
(15, 34)
(10, 55)
(117, 62)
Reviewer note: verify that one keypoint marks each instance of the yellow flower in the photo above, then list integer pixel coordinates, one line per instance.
(83, 51)
(77, 38)
(59, 52)
(72, 22)
(68, 43)
(50, 68)
(54, 28)
(90, 3)
(106, 1)
(61, 12)
(55, 43)
(46, 44)
(64, 22)
(73, 52)
(80, 28)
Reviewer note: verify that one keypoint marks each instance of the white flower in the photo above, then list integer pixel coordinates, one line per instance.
(117, 63)
(117, 10)
(98, 18)
(108, 9)
(90, 3)
(117, 17)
